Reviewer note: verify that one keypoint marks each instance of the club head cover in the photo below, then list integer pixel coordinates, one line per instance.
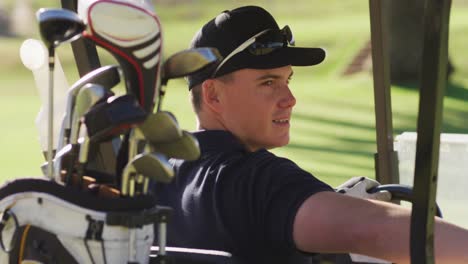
(113, 117)
(132, 34)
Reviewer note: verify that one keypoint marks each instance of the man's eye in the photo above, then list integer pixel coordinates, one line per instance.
(268, 83)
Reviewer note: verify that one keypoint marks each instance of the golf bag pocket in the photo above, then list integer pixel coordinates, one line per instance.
(50, 223)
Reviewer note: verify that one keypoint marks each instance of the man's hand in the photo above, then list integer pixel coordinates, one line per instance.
(358, 187)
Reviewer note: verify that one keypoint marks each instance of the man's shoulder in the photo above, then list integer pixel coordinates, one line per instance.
(259, 165)
(266, 158)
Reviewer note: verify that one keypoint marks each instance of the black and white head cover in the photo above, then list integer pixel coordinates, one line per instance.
(132, 34)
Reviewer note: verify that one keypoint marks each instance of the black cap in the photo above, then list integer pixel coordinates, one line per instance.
(232, 28)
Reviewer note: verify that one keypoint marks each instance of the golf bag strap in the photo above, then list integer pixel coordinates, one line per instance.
(39, 245)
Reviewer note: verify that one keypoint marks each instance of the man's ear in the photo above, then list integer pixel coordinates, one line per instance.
(211, 95)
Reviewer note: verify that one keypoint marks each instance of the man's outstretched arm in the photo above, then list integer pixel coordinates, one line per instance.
(330, 222)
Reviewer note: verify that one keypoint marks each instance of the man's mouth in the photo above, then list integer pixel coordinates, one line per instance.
(281, 121)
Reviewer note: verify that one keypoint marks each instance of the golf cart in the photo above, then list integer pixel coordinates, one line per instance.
(90, 134)
(433, 82)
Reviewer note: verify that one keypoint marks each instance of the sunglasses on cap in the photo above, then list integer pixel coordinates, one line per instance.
(262, 43)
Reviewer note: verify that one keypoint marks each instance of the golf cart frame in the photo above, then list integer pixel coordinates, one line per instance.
(432, 87)
(433, 82)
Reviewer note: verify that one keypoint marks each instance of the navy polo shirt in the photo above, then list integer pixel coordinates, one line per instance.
(238, 201)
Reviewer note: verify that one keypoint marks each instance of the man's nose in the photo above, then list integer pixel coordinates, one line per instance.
(288, 100)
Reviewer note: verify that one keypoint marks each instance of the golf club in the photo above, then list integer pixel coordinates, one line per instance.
(84, 142)
(184, 63)
(169, 132)
(152, 165)
(135, 42)
(107, 76)
(59, 157)
(88, 96)
(187, 62)
(128, 188)
(56, 26)
(134, 138)
(161, 127)
(185, 148)
(113, 117)
(134, 141)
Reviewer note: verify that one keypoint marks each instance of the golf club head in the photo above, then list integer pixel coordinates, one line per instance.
(107, 76)
(58, 25)
(186, 147)
(132, 35)
(88, 96)
(187, 62)
(113, 117)
(161, 127)
(154, 166)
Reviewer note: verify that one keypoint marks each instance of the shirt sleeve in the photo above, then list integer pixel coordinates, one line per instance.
(261, 196)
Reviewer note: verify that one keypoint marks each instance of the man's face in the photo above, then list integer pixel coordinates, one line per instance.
(257, 106)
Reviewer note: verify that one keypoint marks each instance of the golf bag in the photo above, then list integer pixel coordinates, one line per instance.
(94, 206)
(49, 223)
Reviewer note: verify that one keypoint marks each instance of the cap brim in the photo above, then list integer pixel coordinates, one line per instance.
(304, 56)
(286, 56)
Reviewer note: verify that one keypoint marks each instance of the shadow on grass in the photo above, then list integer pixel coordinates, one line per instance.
(454, 90)
(339, 146)
(454, 118)
(331, 143)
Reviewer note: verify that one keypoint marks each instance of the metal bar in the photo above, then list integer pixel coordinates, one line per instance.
(386, 162)
(432, 88)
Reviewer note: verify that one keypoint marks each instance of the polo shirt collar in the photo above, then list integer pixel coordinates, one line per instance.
(217, 140)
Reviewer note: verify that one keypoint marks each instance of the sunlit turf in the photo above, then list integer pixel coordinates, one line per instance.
(333, 125)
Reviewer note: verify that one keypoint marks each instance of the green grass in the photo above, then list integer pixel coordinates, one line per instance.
(333, 127)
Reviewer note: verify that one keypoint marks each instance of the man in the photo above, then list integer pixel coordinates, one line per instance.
(241, 198)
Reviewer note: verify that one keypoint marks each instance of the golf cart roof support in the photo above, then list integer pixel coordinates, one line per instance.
(386, 162)
(433, 81)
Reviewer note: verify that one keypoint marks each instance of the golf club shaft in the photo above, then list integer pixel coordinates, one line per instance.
(50, 142)
(162, 234)
(132, 238)
(146, 185)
